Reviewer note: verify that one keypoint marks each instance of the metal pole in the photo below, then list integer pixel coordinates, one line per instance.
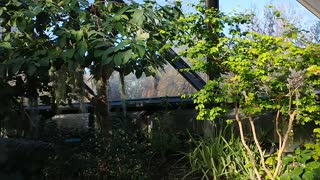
(213, 70)
(212, 4)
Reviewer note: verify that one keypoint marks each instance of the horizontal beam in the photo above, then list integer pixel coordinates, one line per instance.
(154, 104)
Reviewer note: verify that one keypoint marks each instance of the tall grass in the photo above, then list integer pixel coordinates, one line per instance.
(219, 158)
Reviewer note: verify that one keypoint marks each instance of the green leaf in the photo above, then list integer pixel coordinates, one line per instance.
(68, 53)
(44, 62)
(37, 10)
(119, 27)
(312, 165)
(17, 64)
(124, 16)
(29, 14)
(82, 15)
(31, 69)
(297, 171)
(5, 45)
(98, 53)
(307, 175)
(101, 44)
(122, 10)
(21, 24)
(16, 3)
(285, 176)
(141, 49)
(77, 35)
(126, 56)
(118, 57)
(106, 59)
(137, 17)
(121, 45)
(294, 177)
(82, 48)
(62, 40)
(288, 159)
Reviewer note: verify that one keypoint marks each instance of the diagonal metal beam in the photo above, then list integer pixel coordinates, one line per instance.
(179, 64)
(312, 5)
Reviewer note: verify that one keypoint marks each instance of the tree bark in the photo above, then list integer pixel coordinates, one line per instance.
(244, 143)
(213, 70)
(101, 106)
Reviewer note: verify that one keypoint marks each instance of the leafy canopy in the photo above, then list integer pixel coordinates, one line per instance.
(44, 33)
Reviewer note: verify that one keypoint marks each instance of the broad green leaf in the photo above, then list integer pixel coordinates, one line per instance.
(294, 177)
(16, 65)
(29, 14)
(141, 49)
(82, 48)
(126, 56)
(119, 27)
(122, 10)
(16, 3)
(307, 175)
(312, 165)
(82, 15)
(44, 62)
(37, 10)
(77, 35)
(117, 17)
(121, 45)
(62, 41)
(137, 17)
(21, 24)
(31, 69)
(5, 45)
(118, 58)
(124, 16)
(285, 176)
(106, 59)
(297, 171)
(68, 53)
(98, 53)
(60, 32)
(109, 7)
(288, 159)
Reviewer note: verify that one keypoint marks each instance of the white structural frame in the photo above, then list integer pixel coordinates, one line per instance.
(312, 5)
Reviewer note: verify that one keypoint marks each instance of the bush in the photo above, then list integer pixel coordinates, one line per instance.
(217, 157)
(126, 156)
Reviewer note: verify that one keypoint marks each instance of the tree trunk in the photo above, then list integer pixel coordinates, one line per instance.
(101, 106)
(213, 70)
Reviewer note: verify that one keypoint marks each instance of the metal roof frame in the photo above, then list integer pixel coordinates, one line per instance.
(312, 5)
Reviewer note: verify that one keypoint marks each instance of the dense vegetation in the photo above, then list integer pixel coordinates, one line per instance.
(46, 47)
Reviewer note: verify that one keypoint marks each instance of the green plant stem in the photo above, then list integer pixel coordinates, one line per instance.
(243, 141)
(259, 147)
(277, 127)
(286, 136)
(253, 129)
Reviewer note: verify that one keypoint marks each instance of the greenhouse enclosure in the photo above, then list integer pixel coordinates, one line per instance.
(98, 89)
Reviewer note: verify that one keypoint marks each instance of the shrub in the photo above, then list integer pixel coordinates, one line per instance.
(220, 158)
